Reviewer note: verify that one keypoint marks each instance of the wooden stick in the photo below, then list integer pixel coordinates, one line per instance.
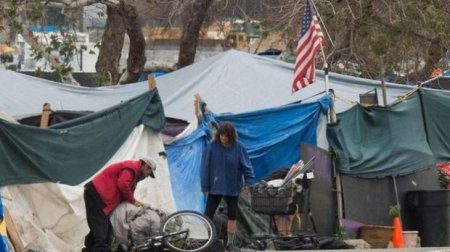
(12, 232)
(45, 116)
(197, 111)
(151, 82)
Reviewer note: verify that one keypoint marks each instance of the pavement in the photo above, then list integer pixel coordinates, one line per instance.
(429, 249)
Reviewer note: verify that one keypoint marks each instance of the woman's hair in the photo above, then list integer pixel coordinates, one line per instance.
(227, 129)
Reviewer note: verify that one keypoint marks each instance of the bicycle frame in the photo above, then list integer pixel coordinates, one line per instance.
(183, 231)
(156, 242)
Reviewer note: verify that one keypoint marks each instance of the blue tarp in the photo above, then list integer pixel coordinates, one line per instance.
(184, 158)
(45, 28)
(144, 75)
(272, 138)
(3, 235)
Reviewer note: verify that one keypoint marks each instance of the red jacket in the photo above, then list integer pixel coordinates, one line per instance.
(117, 183)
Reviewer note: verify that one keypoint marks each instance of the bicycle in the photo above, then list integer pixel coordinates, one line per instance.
(183, 231)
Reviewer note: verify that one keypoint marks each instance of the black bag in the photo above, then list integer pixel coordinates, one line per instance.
(309, 242)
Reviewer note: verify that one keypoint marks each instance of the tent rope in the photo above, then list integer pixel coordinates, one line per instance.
(346, 100)
(412, 91)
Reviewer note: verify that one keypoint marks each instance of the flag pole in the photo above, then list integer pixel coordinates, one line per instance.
(323, 24)
(332, 119)
(338, 179)
(325, 68)
(325, 63)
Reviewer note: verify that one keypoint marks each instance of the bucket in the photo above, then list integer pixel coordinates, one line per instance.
(376, 236)
(411, 238)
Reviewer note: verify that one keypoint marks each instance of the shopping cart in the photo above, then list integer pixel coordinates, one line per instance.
(288, 199)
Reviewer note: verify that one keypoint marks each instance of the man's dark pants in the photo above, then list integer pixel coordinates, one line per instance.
(99, 225)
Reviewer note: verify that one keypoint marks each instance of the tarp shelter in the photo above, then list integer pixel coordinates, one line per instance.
(405, 137)
(58, 160)
(236, 82)
(31, 154)
(23, 96)
(233, 82)
(230, 82)
(272, 138)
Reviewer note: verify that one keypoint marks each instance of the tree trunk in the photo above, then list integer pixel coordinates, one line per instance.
(110, 51)
(193, 20)
(136, 56)
(435, 53)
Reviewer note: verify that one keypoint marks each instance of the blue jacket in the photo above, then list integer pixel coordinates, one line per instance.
(225, 169)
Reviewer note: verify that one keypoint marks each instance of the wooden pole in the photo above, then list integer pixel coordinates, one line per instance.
(45, 116)
(197, 111)
(325, 69)
(383, 83)
(151, 82)
(12, 232)
(338, 179)
(383, 89)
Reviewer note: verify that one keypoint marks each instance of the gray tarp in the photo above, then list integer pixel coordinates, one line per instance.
(237, 82)
(232, 81)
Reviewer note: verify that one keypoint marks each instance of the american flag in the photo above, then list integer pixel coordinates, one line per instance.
(309, 44)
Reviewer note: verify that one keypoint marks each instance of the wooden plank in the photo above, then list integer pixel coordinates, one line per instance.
(45, 116)
(11, 229)
(151, 82)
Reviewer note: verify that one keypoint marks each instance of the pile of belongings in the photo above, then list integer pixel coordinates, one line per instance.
(136, 223)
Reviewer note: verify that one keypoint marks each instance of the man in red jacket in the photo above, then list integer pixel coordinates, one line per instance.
(105, 192)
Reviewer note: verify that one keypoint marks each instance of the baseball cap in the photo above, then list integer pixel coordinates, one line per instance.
(151, 164)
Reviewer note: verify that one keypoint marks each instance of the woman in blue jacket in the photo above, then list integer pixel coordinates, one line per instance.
(226, 172)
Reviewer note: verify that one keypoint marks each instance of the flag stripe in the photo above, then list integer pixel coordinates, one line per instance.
(309, 44)
(306, 54)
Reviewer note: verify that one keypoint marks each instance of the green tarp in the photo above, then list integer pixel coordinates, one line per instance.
(382, 141)
(72, 151)
(436, 107)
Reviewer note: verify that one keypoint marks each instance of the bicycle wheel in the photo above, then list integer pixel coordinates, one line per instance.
(186, 231)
